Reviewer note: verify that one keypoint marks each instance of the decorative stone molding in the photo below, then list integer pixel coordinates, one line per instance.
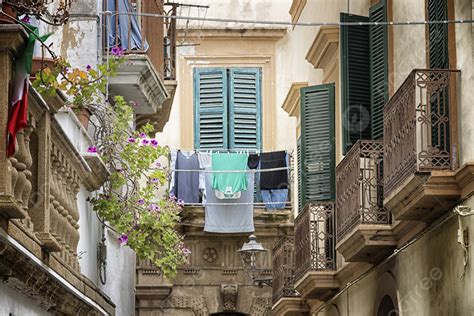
(291, 105)
(28, 278)
(229, 296)
(260, 306)
(296, 9)
(210, 254)
(324, 49)
(197, 304)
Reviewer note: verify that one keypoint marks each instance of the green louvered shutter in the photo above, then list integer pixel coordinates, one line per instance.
(245, 108)
(355, 80)
(317, 143)
(378, 67)
(438, 34)
(210, 108)
(300, 188)
(438, 59)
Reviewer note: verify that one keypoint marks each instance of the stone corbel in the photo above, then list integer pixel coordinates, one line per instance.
(229, 297)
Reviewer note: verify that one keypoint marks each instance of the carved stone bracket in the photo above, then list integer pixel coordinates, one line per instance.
(229, 296)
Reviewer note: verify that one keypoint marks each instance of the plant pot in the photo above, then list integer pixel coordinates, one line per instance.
(9, 11)
(40, 63)
(84, 115)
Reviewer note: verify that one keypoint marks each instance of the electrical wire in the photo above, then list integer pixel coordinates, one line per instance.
(431, 228)
(286, 23)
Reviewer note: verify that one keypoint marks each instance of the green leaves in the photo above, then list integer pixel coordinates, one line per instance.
(128, 201)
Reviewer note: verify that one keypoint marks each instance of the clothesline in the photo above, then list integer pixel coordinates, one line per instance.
(250, 151)
(233, 171)
(240, 203)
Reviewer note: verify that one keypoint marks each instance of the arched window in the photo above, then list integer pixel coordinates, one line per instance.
(387, 307)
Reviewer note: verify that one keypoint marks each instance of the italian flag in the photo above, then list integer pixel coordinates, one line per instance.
(18, 114)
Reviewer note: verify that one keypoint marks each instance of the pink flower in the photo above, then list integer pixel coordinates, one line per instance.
(180, 202)
(117, 51)
(131, 140)
(185, 252)
(88, 67)
(154, 180)
(25, 19)
(158, 165)
(172, 197)
(145, 141)
(92, 149)
(142, 135)
(141, 202)
(123, 239)
(154, 142)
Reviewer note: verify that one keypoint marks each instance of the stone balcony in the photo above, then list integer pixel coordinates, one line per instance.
(315, 253)
(286, 300)
(364, 231)
(421, 148)
(38, 201)
(213, 268)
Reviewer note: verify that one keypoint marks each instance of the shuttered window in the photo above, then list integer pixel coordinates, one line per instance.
(317, 162)
(355, 83)
(438, 34)
(300, 188)
(378, 67)
(227, 108)
(364, 78)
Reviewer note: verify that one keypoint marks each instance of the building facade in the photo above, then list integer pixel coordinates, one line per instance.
(56, 255)
(384, 230)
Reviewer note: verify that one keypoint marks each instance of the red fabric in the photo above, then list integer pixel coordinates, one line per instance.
(18, 120)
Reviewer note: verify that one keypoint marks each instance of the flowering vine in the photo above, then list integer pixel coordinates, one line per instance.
(128, 201)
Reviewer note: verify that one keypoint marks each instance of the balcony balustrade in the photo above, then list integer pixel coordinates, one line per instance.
(315, 256)
(41, 183)
(149, 45)
(286, 300)
(420, 143)
(363, 224)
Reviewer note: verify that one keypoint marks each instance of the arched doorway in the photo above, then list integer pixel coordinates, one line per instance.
(387, 307)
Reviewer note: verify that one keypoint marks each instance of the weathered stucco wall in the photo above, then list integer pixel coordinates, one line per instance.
(426, 278)
(14, 303)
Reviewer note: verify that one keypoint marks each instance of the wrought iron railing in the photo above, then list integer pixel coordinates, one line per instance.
(284, 269)
(359, 188)
(420, 127)
(314, 239)
(156, 37)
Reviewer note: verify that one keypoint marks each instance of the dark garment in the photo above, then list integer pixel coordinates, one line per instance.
(186, 185)
(253, 162)
(270, 180)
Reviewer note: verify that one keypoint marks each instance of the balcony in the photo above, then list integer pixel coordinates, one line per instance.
(364, 232)
(39, 214)
(315, 255)
(420, 143)
(149, 43)
(286, 300)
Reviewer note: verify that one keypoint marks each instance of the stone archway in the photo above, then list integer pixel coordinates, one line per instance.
(386, 300)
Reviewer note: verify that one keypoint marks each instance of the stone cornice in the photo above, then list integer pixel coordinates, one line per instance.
(323, 51)
(296, 8)
(292, 100)
(228, 33)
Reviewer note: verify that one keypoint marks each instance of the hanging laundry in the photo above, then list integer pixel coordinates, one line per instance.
(205, 163)
(186, 183)
(229, 218)
(253, 161)
(229, 183)
(275, 199)
(278, 179)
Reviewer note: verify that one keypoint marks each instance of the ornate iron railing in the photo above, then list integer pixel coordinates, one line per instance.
(420, 127)
(284, 269)
(314, 239)
(359, 188)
